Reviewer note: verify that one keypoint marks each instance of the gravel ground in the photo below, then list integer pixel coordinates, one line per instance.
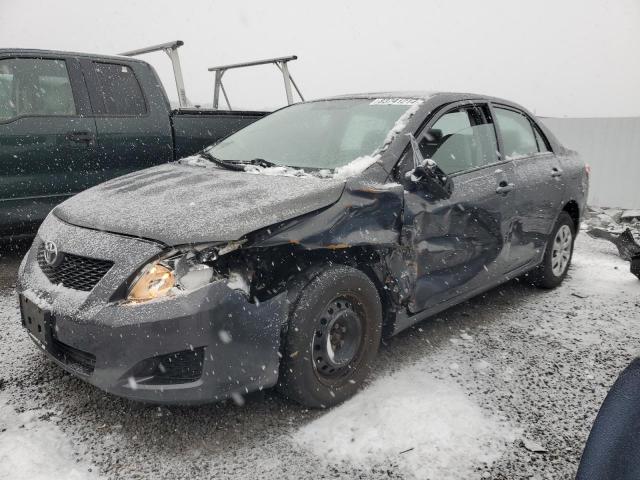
(535, 363)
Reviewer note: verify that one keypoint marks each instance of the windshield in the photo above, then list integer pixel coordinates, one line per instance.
(323, 135)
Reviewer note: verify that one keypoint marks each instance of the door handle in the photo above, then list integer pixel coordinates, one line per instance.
(556, 172)
(80, 137)
(504, 187)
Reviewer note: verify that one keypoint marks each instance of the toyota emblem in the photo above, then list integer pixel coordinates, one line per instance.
(51, 254)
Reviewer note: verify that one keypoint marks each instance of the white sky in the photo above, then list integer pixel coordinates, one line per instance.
(556, 57)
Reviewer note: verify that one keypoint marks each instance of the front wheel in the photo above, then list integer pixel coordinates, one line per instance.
(557, 256)
(333, 335)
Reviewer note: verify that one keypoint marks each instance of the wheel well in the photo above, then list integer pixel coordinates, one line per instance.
(370, 261)
(290, 267)
(574, 212)
(367, 259)
(389, 308)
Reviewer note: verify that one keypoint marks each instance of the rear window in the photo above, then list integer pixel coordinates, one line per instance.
(517, 133)
(32, 86)
(119, 90)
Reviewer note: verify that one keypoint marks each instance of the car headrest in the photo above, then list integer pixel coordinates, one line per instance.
(434, 135)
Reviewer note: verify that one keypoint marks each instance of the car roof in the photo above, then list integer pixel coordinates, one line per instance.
(426, 95)
(47, 53)
(419, 94)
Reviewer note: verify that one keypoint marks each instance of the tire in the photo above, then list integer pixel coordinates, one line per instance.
(332, 337)
(558, 253)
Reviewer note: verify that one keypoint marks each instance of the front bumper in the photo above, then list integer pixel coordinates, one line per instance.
(110, 344)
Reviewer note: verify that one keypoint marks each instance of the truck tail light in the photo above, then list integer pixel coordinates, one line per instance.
(587, 168)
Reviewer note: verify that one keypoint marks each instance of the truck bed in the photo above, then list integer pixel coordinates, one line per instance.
(194, 129)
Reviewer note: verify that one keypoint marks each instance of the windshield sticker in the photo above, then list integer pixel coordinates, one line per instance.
(395, 101)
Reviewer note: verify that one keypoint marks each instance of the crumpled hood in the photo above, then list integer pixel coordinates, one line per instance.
(178, 204)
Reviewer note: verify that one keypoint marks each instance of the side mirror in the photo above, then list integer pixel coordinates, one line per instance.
(427, 174)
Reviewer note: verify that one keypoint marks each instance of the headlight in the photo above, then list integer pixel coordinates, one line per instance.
(155, 281)
(178, 271)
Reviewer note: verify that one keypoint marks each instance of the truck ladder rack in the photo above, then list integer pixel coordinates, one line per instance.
(280, 62)
(171, 49)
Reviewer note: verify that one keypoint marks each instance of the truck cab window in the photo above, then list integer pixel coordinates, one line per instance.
(119, 90)
(30, 86)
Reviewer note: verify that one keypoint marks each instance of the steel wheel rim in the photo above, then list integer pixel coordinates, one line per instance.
(338, 338)
(561, 250)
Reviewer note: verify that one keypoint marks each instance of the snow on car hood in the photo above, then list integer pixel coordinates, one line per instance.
(177, 204)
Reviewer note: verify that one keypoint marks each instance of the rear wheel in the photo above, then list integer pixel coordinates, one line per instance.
(557, 257)
(333, 335)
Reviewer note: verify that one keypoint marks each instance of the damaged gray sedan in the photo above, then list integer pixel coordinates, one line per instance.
(283, 254)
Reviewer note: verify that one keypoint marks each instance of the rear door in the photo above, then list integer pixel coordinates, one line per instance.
(133, 131)
(462, 243)
(539, 180)
(47, 138)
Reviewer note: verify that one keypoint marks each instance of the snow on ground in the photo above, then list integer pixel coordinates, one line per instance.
(470, 393)
(605, 275)
(36, 449)
(446, 433)
(430, 427)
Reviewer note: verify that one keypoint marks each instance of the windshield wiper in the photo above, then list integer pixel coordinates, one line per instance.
(222, 163)
(261, 162)
(237, 165)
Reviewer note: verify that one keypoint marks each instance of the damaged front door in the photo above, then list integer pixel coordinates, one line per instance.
(458, 244)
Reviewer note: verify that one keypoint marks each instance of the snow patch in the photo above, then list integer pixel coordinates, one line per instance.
(195, 161)
(34, 449)
(612, 274)
(401, 123)
(429, 427)
(355, 167)
(282, 171)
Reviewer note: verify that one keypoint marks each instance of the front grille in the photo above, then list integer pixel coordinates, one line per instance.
(76, 360)
(79, 273)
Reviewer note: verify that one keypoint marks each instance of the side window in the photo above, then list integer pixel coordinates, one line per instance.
(461, 139)
(31, 86)
(119, 90)
(543, 146)
(517, 133)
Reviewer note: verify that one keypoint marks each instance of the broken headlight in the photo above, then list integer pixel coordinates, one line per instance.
(155, 281)
(177, 271)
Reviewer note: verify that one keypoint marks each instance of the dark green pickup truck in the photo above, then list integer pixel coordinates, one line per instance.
(69, 121)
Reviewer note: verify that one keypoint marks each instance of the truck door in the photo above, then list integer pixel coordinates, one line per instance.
(132, 121)
(539, 179)
(47, 141)
(460, 244)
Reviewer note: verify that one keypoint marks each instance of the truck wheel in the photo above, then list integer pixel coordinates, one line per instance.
(333, 336)
(557, 256)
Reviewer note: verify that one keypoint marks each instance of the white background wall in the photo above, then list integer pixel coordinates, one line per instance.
(612, 147)
(577, 58)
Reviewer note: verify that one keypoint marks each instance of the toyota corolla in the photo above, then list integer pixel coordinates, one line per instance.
(283, 254)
